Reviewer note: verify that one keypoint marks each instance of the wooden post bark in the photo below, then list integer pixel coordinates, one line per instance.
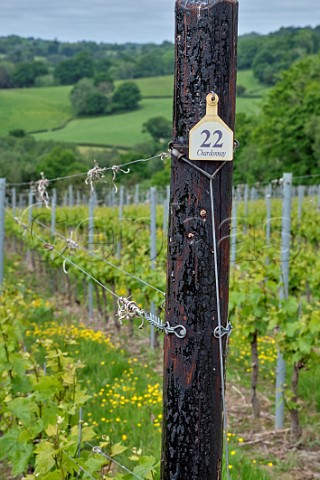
(206, 37)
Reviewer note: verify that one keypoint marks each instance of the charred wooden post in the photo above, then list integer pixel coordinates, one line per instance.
(206, 37)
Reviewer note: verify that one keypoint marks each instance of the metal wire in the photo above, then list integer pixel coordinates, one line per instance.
(99, 451)
(80, 467)
(92, 254)
(178, 330)
(105, 169)
(217, 282)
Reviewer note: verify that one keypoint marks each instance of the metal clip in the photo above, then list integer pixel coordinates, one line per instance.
(175, 330)
(221, 331)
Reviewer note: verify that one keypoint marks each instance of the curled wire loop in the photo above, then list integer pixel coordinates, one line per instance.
(129, 309)
(115, 170)
(94, 176)
(40, 190)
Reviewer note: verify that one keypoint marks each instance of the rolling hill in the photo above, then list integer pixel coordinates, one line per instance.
(48, 108)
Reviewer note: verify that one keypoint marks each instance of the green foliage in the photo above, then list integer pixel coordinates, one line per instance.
(25, 74)
(39, 409)
(59, 162)
(269, 55)
(6, 71)
(299, 331)
(241, 90)
(71, 71)
(126, 97)
(18, 133)
(285, 136)
(86, 99)
(159, 128)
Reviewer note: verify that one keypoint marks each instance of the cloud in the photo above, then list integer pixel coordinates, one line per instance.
(141, 21)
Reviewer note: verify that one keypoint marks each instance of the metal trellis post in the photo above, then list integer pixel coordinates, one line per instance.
(300, 202)
(2, 214)
(233, 235)
(14, 200)
(53, 212)
(121, 204)
(284, 291)
(192, 438)
(153, 251)
(90, 246)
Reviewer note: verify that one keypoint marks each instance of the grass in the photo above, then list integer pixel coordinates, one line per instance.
(253, 86)
(154, 86)
(34, 108)
(123, 130)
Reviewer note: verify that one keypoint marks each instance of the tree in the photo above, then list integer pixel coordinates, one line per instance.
(59, 162)
(71, 71)
(26, 73)
(86, 98)
(241, 90)
(6, 71)
(126, 97)
(158, 127)
(285, 136)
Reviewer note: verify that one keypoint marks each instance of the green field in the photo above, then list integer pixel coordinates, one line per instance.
(120, 129)
(34, 108)
(48, 108)
(154, 86)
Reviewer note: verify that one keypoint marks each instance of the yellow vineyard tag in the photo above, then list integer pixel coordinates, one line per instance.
(211, 138)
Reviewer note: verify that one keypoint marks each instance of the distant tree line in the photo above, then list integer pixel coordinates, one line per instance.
(269, 55)
(27, 62)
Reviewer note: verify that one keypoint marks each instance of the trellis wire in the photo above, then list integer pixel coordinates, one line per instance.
(78, 465)
(107, 262)
(99, 451)
(152, 319)
(161, 155)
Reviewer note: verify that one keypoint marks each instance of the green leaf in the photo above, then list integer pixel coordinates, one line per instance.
(81, 398)
(292, 328)
(56, 475)
(304, 344)
(88, 434)
(45, 457)
(117, 448)
(146, 467)
(93, 464)
(8, 442)
(314, 325)
(23, 408)
(47, 387)
(21, 457)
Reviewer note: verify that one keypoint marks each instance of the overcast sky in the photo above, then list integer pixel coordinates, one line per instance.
(140, 21)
